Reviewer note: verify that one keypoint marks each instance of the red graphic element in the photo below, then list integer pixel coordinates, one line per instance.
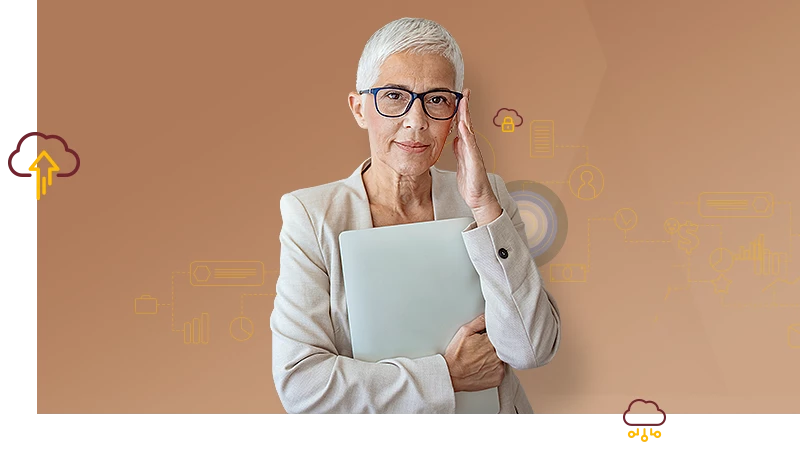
(494, 119)
(44, 136)
(663, 414)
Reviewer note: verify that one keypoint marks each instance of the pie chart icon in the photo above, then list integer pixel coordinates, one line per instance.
(241, 328)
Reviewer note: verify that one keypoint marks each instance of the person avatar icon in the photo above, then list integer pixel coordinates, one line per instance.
(586, 182)
(587, 190)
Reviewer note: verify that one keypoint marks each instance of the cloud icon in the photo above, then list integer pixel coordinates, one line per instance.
(47, 137)
(625, 414)
(516, 115)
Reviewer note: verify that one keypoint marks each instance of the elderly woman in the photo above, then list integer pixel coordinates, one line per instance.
(312, 363)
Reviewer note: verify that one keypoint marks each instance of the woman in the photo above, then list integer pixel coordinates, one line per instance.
(312, 363)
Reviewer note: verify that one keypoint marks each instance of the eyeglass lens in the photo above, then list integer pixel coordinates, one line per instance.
(392, 102)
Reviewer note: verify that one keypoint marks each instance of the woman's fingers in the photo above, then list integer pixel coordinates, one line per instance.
(467, 117)
(464, 120)
(477, 324)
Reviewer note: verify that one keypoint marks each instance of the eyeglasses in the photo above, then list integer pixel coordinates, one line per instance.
(438, 104)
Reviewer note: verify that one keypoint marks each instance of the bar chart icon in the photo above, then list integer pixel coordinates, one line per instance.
(196, 331)
(765, 261)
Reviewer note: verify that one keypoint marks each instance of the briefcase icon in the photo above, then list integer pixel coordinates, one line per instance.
(145, 305)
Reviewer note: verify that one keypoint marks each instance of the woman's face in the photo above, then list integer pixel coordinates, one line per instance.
(417, 73)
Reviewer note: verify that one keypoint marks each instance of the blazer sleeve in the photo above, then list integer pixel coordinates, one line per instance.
(522, 318)
(309, 373)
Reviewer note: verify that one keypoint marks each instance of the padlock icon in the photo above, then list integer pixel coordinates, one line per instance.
(508, 124)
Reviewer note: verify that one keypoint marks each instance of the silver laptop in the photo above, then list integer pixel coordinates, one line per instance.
(409, 288)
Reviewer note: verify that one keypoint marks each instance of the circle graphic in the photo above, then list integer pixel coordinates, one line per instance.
(672, 225)
(721, 259)
(241, 328)
(586, 182)
(544, 216)
(626, 219)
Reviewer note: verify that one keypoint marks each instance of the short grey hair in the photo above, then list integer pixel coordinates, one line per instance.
(420, 36)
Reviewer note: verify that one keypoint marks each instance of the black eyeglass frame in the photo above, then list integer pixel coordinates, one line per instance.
(414, 96)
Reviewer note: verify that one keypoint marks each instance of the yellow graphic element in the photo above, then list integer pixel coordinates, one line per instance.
(568, 273)
(197, 331)
(793, 335)
(586, 182)
(656, 434)
(241, 328)
(721, 259)
(41, 186)
(145, 305)
(542, 141)
(172, 305)
(780, 280)
(626, 219)
(227, 273)
(670, 289)
(722, 283)
(765, 262)
(643, 434)
(687, 237)
(671, 226)
(735, 204)
(508, 124)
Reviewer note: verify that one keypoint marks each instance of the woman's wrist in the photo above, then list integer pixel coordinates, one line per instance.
(487, 214)
(450, 373)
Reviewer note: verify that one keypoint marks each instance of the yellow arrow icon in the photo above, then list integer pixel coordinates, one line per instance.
(41, 184)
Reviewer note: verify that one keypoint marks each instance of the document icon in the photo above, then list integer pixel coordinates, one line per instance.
(794, 335)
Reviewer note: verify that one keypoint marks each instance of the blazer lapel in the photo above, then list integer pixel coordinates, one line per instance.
(447, 202)
(362, 213)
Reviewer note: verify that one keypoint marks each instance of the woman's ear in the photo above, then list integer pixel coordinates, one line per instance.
(357, 108)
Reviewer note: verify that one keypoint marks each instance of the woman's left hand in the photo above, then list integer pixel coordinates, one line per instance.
(473, 182)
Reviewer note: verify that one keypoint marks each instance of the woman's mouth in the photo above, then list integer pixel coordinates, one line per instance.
(415, 148)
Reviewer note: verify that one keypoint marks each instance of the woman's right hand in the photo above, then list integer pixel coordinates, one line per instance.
(472, 359)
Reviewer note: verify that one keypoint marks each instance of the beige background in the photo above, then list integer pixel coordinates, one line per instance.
(191, 120)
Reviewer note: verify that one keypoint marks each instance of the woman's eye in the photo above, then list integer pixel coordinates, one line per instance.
(393, 95)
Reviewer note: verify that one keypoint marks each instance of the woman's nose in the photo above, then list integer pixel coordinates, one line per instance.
(416, 117)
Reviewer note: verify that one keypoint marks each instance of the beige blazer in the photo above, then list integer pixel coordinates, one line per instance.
(312, 358)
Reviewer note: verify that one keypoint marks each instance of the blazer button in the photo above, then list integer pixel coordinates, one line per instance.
(503, 253)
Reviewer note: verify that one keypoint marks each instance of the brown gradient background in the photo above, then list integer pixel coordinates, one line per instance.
(192, 120)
